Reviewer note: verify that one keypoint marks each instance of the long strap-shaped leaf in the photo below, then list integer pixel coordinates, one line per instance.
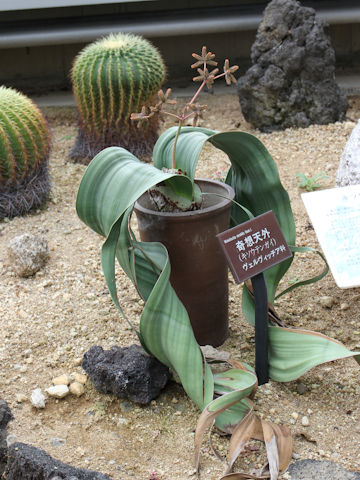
(308, 281)
(166, 329)
(113, 182)
(292, 352)
(188, 148)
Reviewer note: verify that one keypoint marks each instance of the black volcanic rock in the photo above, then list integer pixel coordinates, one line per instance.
(5, 417)
(291, 82)
(127, 372)
(29, 463)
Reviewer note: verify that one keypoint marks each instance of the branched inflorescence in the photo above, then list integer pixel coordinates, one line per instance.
(192, 109)
(24, 152)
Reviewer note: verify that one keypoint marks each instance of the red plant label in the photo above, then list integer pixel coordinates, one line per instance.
(254, 246)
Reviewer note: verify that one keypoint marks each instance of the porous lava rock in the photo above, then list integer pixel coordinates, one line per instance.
(126, 372)
(291, 81)
(5, 417)
(26, 462)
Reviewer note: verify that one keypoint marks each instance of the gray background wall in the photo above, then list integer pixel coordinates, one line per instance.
(38, 43)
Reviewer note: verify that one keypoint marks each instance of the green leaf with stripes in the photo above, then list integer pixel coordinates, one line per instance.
(111, 184)
(292, 352)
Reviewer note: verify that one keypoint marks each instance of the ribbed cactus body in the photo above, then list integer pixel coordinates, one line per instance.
(112, 78)
(24, 151)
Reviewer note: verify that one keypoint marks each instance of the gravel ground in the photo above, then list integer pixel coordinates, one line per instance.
(50, 320)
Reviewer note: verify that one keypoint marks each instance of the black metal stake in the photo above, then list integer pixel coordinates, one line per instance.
(261, 328)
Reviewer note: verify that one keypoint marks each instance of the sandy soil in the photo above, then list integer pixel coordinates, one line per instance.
(52, 318)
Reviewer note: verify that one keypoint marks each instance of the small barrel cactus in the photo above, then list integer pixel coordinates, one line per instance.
(112, 78)
(24, 152)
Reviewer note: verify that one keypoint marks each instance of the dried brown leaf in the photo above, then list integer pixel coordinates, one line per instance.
(278, 443)
(206, 420)
(271, 449)
(214, 450)
(285, 445)
(242, 434)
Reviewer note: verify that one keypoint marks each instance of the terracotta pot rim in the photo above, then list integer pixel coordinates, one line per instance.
(220, 204)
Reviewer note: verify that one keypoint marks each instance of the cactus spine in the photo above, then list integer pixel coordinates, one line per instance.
(24, 151)
(112, 78)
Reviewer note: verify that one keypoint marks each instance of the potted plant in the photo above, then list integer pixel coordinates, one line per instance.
(115, 180)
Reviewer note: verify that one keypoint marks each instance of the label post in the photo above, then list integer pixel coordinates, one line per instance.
(251, 248)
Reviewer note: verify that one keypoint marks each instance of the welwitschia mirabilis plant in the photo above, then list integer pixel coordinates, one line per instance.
(114, 180)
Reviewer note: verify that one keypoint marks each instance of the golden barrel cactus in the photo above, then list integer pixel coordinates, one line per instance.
(112, 78)
(24, 152)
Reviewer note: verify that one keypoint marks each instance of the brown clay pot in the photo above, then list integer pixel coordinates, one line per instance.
(199, 272)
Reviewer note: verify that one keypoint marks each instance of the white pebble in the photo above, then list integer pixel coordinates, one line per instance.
(305, 421)
(37, 398)
(58, 391)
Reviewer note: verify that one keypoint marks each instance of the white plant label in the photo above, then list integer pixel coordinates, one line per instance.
(335, 215)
